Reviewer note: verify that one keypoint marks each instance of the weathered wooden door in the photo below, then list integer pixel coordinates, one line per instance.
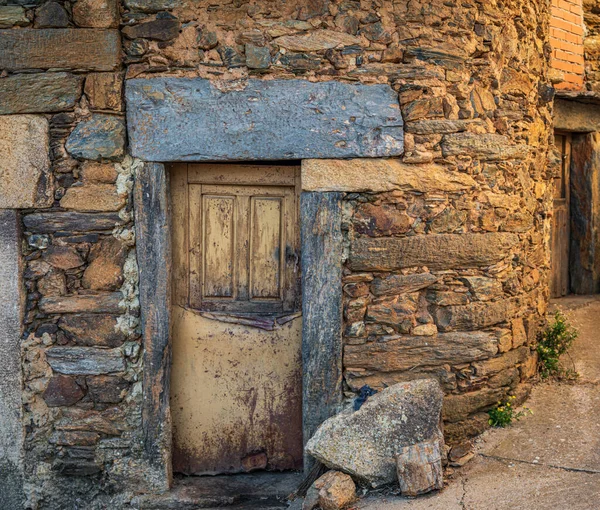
(560, 236)
(236, 396)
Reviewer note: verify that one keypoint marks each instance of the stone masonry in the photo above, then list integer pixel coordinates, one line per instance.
(445, 248)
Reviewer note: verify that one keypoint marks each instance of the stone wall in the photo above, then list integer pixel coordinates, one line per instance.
(592, 44)
(446, 247)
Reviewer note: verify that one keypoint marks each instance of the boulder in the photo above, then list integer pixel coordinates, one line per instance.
(420, 468)
(365, 443)
(332, 491)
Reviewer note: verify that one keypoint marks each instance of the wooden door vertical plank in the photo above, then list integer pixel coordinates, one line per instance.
(242, 246)
(194, 225)
(179, 206)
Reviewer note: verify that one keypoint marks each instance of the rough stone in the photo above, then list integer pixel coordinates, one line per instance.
(85, 360)
(159, 30)
(63, 257)
(93, 172)
(24, 162)
(99, 137)
(93, 198)
(488, 146)
(474, 315)
(459, 407)
(151, 5)
(62, 48)
(332, 491)
(52, 222)
(51, 15)
(53, 283)
(11, 383)
(93, 330)
(96, 13)
(104, 91)
(399, 353)
(62, 391)
(105, 302)
(317, 40)
(494, 365)
(39, 93)
(13, 16)
(392, 310)
(257, 57)
(299, 118)
(379, 175)
(482, 288)
(106, 389)
(437, 252)
(381, 220)
(105, 271)
(419, 468)
(400, 284)
(364, 443)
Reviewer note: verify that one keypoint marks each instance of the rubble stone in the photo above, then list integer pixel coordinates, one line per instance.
(419, 468)
(364, 443)
(332, 491)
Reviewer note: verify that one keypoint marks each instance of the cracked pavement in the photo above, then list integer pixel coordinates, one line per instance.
(548, 460)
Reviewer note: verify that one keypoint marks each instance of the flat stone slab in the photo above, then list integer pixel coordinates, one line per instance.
(39, 93)
(85, 360)
(61, 48)
(189, 119)
(436, 251)
(24, 162)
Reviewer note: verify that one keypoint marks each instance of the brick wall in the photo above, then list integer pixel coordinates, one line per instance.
(566, 39)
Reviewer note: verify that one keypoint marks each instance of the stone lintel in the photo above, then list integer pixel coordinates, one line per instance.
(190, 119)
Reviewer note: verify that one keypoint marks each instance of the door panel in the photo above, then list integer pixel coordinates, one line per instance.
(236, 373)
(236, 394)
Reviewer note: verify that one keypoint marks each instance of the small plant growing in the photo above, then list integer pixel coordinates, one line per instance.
(554, 342)
(504, 413)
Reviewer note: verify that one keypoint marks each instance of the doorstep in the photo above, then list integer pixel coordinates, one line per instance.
(249, 491)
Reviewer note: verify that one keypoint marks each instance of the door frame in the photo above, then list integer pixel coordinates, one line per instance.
(321, 245)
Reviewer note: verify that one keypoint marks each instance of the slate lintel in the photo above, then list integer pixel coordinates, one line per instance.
(190, 119)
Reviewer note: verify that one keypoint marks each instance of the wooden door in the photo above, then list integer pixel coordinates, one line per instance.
(236, 374)
(560, 236)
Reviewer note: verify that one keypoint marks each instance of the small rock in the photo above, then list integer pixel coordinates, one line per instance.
(207, 40)
(99, 137)
(13, 16)
(105, 271)
(231, 58)
(106, 389)
(62, 391)
(425, 330)
(96, 13)
(420, 468)
(461, 453)
(92, 198)
(333, 491)
(63, 257)
(92, 172)
(54, 283)
(51, 15)
(93, 329)
(257, 57)
(158, 30)
(85, 360)
(364, 443)
(104, 91)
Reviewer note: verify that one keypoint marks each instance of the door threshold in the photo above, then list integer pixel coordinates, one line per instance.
(248, 491)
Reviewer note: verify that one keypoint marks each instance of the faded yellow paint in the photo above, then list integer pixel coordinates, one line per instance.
(235, 392)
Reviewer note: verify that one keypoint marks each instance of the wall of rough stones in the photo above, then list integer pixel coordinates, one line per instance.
(592, 44)
(463, 291)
